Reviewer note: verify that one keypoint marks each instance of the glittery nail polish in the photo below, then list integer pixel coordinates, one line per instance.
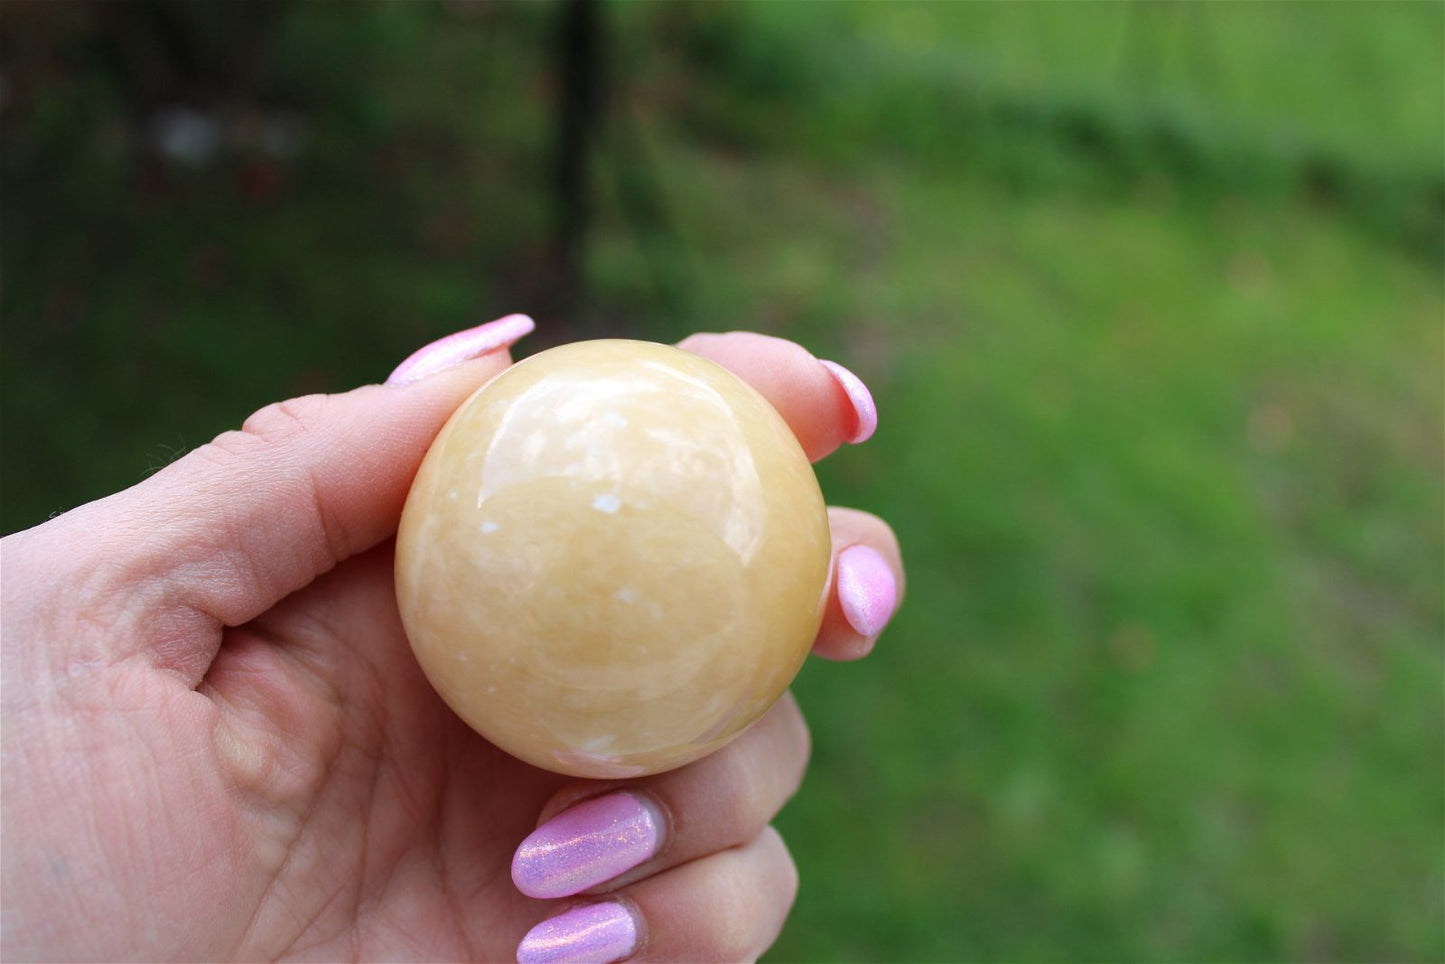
(586, 845)
(867, 589)
(463, 346)
(590, 934)
(864, 410)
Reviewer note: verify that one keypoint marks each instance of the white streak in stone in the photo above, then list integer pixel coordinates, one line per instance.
(599, 744)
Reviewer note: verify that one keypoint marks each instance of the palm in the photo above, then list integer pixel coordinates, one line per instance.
(371, 822)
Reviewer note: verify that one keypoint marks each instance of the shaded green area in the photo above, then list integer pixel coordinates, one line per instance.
(1151, 301)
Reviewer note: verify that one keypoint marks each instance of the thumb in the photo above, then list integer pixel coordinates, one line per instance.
(242, 522)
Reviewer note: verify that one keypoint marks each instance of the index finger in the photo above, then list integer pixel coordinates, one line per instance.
(823, 403)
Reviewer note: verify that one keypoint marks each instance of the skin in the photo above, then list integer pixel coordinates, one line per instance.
(217, 744)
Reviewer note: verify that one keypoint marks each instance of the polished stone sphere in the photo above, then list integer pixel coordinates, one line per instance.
(613, 559)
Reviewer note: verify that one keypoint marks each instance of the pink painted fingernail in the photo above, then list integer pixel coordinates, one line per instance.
(864, 411)
(866, 589)
(463, 346)
(587, 844)
(590, 934)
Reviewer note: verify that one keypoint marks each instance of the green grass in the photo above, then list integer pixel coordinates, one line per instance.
(1173, 687)
(1316, 75)
(1161, 412)
(1293, 77)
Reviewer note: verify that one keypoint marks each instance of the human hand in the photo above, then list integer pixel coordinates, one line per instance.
(219, 746)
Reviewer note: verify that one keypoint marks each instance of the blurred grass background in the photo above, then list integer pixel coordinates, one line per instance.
(1151, 298)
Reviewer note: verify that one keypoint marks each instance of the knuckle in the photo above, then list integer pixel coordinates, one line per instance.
(699, 341)
(760, 772)
(795, 354)
(268, 437)
(787, 870)
(285, 419)
(798, 737)
(277, 423)
(781, 758)
(226, 448)
(862, 526)
(737, 915)
(753, 893)
(746, 778)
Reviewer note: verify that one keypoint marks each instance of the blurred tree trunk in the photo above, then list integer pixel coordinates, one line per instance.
(581, 109)
(164, 53)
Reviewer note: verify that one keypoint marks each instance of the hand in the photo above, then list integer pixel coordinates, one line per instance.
(218, 745)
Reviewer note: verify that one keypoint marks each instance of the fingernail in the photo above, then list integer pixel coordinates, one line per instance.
(590, 934)
(586, 845)
(864, 411)
(866, 589)
(463, 346)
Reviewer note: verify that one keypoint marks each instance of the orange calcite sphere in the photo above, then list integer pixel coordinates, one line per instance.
(613, 559)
